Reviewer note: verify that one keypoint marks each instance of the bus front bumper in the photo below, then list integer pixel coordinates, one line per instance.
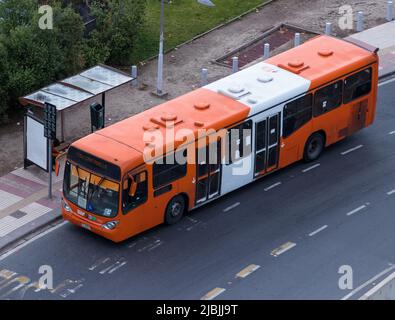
(95, 228)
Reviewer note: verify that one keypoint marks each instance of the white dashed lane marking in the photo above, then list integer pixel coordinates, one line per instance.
(231, 207)
(391, 192)
(351, 150)
(318, 230)
(312, 167)
(356, 210)
(272, 186)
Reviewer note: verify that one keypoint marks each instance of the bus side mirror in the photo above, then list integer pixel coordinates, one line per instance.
(57, 167)
(133, 187)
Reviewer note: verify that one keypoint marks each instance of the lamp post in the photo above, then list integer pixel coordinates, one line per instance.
(159, 85)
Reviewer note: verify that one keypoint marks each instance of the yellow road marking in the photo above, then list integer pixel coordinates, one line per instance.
(213, 294)
(281, 249)
(247, 271)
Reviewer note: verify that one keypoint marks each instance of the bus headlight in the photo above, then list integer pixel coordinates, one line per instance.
(66, 207)
(110, 225)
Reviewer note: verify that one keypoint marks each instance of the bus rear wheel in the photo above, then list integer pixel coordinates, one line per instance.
(175, 210)
(314, 147)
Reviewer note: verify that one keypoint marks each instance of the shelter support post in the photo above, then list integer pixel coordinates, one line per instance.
(103, 103)
(62, 125)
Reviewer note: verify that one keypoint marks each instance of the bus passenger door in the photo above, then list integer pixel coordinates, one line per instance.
(358, 117)
(208, 172)
(267, 135)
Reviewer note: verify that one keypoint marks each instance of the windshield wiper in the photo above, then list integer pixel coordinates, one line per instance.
(97, 188)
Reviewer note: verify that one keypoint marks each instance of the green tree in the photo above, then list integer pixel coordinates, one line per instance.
(4, 96)
(118, 23)
(36, 57)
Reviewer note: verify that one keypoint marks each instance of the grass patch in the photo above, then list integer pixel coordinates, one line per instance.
(185, 19)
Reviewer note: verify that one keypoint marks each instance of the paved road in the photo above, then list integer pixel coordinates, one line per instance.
(338, 211)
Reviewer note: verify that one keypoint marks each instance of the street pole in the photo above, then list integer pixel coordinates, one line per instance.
(159, 85)
(159, 88)
(50, 133)
(50, 168)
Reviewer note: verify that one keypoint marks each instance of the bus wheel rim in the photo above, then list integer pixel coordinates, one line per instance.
(176, 209)
(314, 147)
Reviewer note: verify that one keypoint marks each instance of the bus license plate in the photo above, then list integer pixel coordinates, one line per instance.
(86, 226)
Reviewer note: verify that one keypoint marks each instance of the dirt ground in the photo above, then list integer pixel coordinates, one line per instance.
(183, 65)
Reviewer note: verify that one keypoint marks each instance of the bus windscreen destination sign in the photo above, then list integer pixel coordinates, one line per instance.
(94, 164)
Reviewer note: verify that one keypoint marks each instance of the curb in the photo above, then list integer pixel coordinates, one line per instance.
(37, 229)
(387, 75)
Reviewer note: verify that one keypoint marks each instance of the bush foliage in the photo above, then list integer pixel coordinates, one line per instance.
(31, 57)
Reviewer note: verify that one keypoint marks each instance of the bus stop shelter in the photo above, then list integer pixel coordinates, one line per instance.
(77, 89)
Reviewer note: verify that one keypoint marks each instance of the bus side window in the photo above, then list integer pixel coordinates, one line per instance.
(296, 114)
(357, 85)
(169, 168)
(239, 139)
(131, 201)
(328, 98)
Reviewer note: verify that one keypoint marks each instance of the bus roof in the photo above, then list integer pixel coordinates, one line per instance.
(324, 58)
(108, 149)
(261, 86)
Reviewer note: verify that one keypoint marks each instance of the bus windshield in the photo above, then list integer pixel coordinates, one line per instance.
(90, 192)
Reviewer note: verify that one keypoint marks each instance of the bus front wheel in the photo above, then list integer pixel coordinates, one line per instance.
(314, 147)
(175, 210)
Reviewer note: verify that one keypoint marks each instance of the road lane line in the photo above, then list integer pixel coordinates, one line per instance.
(283, 248)
(231, 207)
(213, 294)
(158, 243)
(351, 150)
(247, 271)
(386, 82)
(24, 244)
(117, 267)
(391, 192)
(318, 230)
(98, 263)
(272, 186)
(311, 168)
(356, 210)
(363, 285)
(392, 132)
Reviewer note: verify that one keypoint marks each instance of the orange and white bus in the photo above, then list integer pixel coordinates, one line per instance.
(284, 109)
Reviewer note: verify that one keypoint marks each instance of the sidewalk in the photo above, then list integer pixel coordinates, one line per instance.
(24, 203)
(383, 37)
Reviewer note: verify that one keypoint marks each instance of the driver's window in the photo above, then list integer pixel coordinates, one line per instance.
(135, 191)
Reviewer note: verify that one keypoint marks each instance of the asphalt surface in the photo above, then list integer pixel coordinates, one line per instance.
(340, 212)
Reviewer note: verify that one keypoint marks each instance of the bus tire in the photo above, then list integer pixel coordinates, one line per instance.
(314, 146)
(175, 210)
